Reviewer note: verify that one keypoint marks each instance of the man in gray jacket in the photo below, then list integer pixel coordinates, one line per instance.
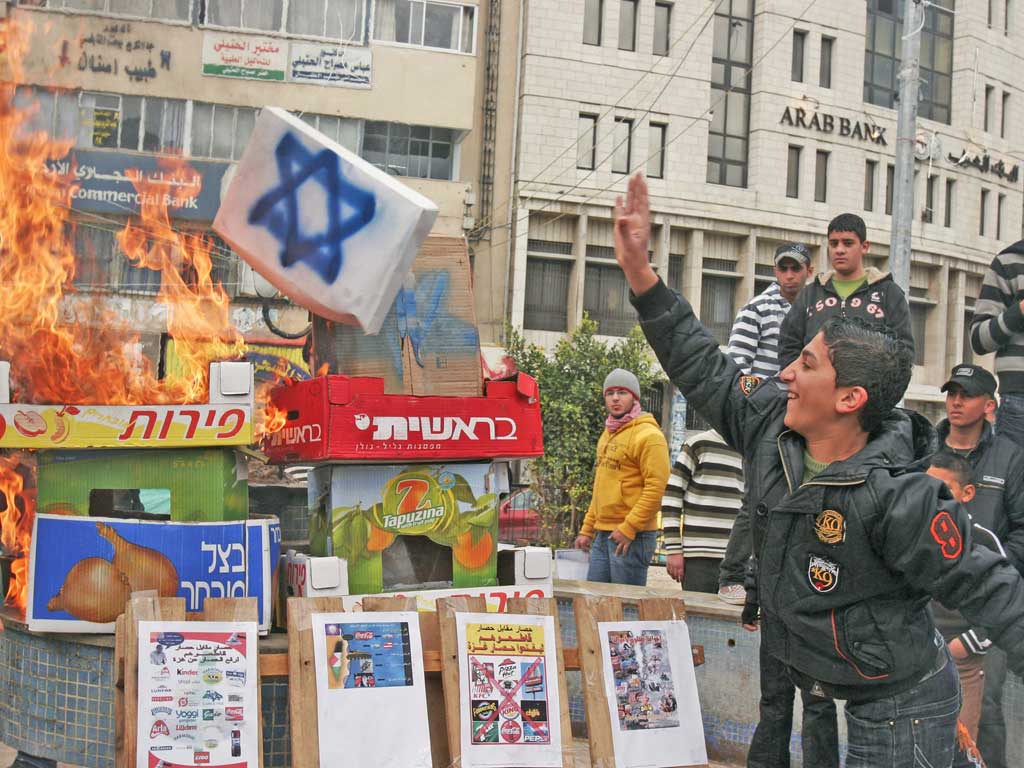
(851, 546)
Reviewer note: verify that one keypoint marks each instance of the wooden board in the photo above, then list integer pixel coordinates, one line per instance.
(447, 607)
(547, 606)
(302, 677)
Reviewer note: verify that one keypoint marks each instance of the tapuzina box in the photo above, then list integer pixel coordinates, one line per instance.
(183, 485)
(426, 526)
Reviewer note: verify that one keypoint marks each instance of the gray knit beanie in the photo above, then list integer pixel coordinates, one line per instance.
(622, 379)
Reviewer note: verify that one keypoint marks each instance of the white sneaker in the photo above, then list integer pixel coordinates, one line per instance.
(734, 594)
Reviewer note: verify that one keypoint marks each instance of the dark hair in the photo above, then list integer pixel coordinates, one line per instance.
(849, 222)
(956, 465)
(866, 356)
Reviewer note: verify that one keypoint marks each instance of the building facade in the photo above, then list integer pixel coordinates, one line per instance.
(756, 122)
(126, 81)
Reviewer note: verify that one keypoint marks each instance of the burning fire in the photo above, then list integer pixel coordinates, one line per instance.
(66, 348)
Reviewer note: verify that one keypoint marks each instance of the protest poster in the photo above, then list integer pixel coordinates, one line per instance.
(508, 673)
(198, 695)
(652, 694)
(369, 669)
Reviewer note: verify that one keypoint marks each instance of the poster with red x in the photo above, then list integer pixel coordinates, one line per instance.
(508, 673)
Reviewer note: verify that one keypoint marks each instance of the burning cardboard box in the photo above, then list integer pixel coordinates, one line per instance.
(409, 527)
(341, 418)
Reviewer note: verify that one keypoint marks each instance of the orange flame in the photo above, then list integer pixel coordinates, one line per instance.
(16, 526)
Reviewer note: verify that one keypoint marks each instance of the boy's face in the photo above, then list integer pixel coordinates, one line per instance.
(846, 254)
(813, 393)
(791, 276)
(618, 401)
(962, 493)
(965, 410)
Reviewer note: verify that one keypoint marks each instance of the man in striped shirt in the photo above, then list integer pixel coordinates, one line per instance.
(703, 496)
(754, 341)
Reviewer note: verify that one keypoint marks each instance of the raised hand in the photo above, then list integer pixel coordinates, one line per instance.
(633, 235)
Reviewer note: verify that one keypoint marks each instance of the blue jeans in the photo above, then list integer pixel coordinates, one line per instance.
(1010, 418)
(609, 568)
(912, 729)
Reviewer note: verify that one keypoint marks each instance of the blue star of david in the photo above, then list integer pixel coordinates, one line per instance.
(278, 208)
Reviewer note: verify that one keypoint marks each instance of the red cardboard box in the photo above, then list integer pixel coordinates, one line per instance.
(344, 418)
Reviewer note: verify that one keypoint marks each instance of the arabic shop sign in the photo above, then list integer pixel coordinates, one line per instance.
(104, 184)
(114, 49)
(252, 58)
(823, 122)
(330, 65)
(986, 164)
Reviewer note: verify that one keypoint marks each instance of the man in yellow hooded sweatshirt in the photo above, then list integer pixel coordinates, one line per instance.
(621, 526)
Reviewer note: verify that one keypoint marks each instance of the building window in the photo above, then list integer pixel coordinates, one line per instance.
(418, 151)
(870, 166)
(593, 10)
(220, 131)
(799, 47)
(919, 327)
(586, 144)
(947, 220)
(1000, 205)
(547, 294)
(675, 271)
(883, 49)
(716, 305)
(732, 57)
(656, 151)
(793, 172)
(338, 20)
(344, 130)
(982, 212)
(1003, 116)
(112, 121)
(820, 176)
(890, 177)
(431, 25)
(929, 199)
(990, 105)
(622, 154)
(1006, 17)
(627, 25)
(662, 29)
(825, 65)
(95, 247)
(968, 353)
(175, 10)
(606, 299)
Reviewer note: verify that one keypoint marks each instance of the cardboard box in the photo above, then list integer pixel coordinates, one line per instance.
(83, 569)
(524, 565)
(571, 564)
(408, 527)
(315, 576)
(328, 229)
(428, 343)
(340, 418)
(204, 484)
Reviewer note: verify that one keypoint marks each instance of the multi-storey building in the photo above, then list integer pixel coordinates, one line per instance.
(755, 121)
(128, 80)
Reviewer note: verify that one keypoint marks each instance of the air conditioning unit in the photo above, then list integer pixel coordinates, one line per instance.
(251, 283)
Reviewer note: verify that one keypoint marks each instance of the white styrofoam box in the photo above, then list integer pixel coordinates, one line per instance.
(315, 576)
(332, 232)
(528, 565)
(571, 564)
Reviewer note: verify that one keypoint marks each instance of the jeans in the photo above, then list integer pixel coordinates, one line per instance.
(609, 568)
(912, 729)
(1010, 418)
(769, 748)
(737, 551)
(992, 727)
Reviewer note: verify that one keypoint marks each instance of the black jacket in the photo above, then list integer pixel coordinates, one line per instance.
(999, 478)
(879, 301)
(849, 561)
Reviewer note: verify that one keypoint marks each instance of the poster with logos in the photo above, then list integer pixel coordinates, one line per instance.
(508, 672)
(652, 694)
(198, 695)
(369, 670)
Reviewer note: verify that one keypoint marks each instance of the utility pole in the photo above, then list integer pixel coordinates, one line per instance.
(906, 127)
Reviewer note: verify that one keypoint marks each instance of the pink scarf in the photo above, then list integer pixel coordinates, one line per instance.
(613, 424)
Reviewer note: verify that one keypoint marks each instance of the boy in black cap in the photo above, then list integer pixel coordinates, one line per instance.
(998, 506)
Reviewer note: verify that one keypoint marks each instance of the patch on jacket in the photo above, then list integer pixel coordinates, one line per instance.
(830, 527)
(749, 383)
(822, 573)
(946, 534)
(991, 479)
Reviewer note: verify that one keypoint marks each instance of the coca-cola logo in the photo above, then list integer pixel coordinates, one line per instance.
(511, 731)
(363, 635)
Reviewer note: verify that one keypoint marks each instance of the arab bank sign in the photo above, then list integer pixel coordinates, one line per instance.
(104, 184)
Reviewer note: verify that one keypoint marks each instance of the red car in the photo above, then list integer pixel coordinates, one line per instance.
(518, 520)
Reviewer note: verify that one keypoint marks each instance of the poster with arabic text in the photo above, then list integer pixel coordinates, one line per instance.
(652, 694)
(508, 673)
(198, 695)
